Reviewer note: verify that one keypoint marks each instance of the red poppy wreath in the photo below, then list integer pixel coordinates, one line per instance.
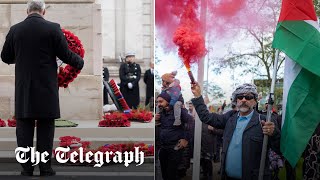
(68, 73)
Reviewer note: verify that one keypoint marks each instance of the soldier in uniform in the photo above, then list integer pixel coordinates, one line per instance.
(130, 74)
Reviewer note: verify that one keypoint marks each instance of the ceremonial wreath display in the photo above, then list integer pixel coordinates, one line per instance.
(2, 123)
(118, 119)
(117, 96)
(148, 149)
(11, 122)
(115, 119)
(83, 147)
(140, 115)
(68, 73)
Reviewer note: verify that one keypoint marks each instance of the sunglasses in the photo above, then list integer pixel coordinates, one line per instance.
(247, 97)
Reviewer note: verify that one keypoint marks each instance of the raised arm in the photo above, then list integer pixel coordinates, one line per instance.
(212, 119)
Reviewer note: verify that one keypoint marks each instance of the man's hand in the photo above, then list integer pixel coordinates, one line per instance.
(157, 117)
(210, 128)
(182, 143)
(267, 128)
(196, 90)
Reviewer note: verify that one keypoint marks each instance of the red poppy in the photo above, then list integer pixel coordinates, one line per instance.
(68, 73)
(2, 123)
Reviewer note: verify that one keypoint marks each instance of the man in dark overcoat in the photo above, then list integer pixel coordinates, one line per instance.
(130, 74)
(149, 80)
(33, 45)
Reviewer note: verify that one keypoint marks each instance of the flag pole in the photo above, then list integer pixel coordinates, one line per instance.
(198, 123)
(269, 112)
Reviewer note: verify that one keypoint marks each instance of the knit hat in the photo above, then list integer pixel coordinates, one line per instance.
(245, 88)
(165, 96)
(169, 77)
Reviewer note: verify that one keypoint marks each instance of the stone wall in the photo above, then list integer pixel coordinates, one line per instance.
(83, 99)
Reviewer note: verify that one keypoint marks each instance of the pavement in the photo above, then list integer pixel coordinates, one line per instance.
(216, 175)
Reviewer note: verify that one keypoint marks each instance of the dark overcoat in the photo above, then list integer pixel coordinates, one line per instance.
(33, 45)
(149, 80)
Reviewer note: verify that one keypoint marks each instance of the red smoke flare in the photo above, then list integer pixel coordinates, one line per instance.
(188, 37)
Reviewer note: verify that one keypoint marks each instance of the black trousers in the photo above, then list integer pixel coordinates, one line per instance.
(206, 166)
(230, 178)
(45, 134)
(169, 162)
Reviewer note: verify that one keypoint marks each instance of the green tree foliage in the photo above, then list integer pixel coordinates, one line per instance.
(212, 90)
(317, 6)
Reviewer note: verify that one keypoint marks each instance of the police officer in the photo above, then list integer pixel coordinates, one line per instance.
(130, 74)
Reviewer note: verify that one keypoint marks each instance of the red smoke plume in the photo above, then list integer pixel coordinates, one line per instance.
(177, 22)
(187, 37)
(226, 8)
(191, 45)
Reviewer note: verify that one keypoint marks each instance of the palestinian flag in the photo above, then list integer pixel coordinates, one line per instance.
(297, 35)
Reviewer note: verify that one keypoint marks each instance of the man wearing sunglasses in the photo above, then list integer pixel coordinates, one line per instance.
(243, 133)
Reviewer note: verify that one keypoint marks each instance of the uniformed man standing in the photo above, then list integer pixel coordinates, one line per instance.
(130, 74)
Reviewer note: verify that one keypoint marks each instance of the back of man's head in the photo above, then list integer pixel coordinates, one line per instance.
(36, 6)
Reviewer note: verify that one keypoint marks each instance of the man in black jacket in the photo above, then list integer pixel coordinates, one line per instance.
(173, 139)
(243, 133)
(149, 80)
(33, 45)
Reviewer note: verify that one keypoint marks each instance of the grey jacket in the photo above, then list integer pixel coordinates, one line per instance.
(252, 138)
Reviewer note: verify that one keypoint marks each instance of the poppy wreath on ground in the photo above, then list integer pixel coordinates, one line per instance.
(115, 119)
(140, 115)
(2, 123)
(148, 149)
(68, 73)
(118, 119)
(10, 122)
(75, 143)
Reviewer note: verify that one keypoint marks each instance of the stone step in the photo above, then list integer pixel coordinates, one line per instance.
(114, 171)
(88, 131)
(9, 144)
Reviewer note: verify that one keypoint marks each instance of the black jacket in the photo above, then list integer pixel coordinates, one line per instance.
(33, 46)
(252, 138)
(149, 80)
(170, 134)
